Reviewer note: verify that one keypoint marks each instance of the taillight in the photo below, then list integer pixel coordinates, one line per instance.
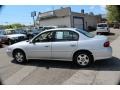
(107, 44)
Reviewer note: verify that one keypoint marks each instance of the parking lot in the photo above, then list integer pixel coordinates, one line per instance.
(59, 72)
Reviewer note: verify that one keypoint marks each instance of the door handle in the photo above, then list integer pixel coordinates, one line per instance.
(46, 46)
(73, 45)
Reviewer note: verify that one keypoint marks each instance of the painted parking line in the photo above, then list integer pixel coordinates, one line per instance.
(20, 75)
(82, 77)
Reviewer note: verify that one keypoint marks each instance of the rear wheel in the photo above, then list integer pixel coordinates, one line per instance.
(19, 56)
(83, 59)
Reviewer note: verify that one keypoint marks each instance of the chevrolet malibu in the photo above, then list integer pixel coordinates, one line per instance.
(68, 44)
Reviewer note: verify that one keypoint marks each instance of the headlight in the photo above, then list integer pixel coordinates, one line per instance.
(9, 49)
(14, 38)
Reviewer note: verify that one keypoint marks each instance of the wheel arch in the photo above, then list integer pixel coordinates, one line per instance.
(18, 49)
(83, 50)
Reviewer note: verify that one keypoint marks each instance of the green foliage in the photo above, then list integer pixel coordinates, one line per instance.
(12, 26)
(113, 13)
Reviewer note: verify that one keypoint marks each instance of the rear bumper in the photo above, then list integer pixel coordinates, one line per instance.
(105, 30)
(103, 53)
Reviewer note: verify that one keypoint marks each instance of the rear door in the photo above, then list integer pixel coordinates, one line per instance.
(65, 44)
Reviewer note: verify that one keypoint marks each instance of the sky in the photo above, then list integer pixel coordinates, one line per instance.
(22, 14)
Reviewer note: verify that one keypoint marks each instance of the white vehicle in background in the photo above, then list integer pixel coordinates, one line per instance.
(102, 28)
(14, 36)
(67, 44)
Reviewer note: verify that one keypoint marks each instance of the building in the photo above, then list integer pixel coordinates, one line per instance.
(64, 17)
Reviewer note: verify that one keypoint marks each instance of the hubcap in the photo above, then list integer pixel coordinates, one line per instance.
(83, 59)
(19, 57)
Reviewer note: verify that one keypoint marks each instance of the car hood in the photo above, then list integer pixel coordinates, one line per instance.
(15, 35)
(19, 44)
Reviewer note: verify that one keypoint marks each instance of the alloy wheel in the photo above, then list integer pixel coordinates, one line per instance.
(19, 57)
(83, 59)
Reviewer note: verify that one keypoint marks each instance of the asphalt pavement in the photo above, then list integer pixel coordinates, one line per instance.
(40, 72)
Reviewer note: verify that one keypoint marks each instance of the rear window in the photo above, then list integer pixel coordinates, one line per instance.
(90, 35)
(102, 25)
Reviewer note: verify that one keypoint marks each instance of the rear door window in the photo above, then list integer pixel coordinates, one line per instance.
(66, 36)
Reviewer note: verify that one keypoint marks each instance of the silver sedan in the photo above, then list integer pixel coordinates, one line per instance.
(68, 44)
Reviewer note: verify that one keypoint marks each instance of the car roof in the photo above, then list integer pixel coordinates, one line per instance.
(101, 23)
(57, 29)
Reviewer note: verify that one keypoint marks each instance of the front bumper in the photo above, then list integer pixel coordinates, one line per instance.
(9, 52)
(4, 40)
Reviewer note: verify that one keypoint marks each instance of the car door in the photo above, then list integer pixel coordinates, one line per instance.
(65, 43)
(40, 47)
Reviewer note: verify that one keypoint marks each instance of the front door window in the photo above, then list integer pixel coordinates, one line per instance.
(44, 37)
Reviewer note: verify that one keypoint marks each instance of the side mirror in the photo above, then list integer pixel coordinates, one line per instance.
(31, 41)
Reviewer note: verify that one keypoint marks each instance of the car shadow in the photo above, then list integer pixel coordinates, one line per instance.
(112, 64)
(109, 34)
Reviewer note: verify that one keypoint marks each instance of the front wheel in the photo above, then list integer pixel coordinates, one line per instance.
(83, 59)
(1, 45)
(10, 42)
(19, 56)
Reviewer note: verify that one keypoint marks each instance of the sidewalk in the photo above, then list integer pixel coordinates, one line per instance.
(100, 77)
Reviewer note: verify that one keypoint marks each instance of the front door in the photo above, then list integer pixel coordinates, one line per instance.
(40, 47)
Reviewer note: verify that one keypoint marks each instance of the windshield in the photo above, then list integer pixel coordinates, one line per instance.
(20, 32)
(10, 32)
(2, 32)
(102, 25)
(90, 35)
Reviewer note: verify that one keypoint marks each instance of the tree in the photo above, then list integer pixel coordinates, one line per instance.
(17, 25)
(12, 26)
(113, 14)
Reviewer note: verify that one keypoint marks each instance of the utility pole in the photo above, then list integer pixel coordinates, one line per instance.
(33, 14)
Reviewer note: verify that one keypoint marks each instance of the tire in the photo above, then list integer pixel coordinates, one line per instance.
(1, 45)
(19, 56)
(30, 36)
(83, 59)
(98, 33)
